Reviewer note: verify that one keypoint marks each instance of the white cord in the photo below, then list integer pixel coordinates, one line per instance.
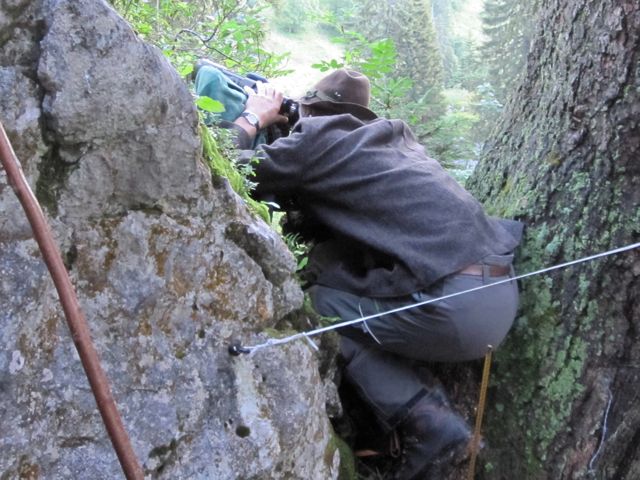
(280, 341)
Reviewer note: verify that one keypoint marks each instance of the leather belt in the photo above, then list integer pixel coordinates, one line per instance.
(493, 270)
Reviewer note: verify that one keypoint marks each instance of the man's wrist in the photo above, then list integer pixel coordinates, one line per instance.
(251, 118)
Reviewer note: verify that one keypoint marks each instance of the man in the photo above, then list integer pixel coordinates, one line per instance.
(390, 228)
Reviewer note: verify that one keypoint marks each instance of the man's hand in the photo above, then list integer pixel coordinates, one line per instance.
(265, 104)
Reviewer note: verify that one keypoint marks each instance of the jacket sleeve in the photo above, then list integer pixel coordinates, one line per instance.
(282, 164)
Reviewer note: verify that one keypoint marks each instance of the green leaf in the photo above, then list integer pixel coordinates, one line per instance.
(322, 66)
(186, 70)
(210, 105)
(303, 263)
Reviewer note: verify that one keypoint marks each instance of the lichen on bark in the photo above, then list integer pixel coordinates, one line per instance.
(564, 161)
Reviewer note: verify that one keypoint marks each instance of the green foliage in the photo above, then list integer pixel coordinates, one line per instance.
(221, 157)
(409, 25)
(209, 105)
(380, 62)
(299, 249)
(230, 32)
(326, 65)
(459, 34)
(390, 94)
(377, 60)
(294, 241)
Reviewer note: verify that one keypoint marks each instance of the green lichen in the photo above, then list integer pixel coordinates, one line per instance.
(539, 368)
(554, 158)
(513, 200)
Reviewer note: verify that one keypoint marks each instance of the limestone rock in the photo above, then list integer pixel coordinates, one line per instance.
(169, 268)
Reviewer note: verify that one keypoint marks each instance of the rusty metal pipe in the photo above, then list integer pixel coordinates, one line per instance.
(73, 313)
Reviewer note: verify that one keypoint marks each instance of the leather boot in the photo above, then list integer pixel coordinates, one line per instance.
(432, 438)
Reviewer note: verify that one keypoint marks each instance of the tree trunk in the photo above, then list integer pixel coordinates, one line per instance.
(565, 159)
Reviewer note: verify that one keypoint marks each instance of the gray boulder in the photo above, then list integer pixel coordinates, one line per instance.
(169, 268)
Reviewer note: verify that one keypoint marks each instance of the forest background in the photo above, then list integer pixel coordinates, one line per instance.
(444, 66)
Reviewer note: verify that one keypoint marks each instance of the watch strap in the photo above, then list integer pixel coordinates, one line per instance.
(252, 118)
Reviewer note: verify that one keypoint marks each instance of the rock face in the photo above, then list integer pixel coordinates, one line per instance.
(169, 268)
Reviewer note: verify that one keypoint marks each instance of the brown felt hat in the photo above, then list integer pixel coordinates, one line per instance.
(343, 91)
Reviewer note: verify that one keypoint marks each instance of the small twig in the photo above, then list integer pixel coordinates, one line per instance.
(200, 37)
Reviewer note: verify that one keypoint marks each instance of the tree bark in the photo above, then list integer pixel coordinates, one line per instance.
(565, 159)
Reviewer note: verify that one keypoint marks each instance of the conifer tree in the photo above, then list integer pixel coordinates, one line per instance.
(442, 11)
(409, 23)
(419, 47)
(508, 25)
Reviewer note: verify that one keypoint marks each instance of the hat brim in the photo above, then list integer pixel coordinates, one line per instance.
(354, 109)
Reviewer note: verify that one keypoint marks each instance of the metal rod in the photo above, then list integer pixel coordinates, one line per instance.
(73, 313)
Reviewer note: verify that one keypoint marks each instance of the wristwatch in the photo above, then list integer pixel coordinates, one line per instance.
(252, 118)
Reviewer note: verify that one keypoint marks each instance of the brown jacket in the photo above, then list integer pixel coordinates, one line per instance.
(392, 221)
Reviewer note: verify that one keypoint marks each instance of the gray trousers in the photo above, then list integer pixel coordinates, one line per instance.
(379, 353)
